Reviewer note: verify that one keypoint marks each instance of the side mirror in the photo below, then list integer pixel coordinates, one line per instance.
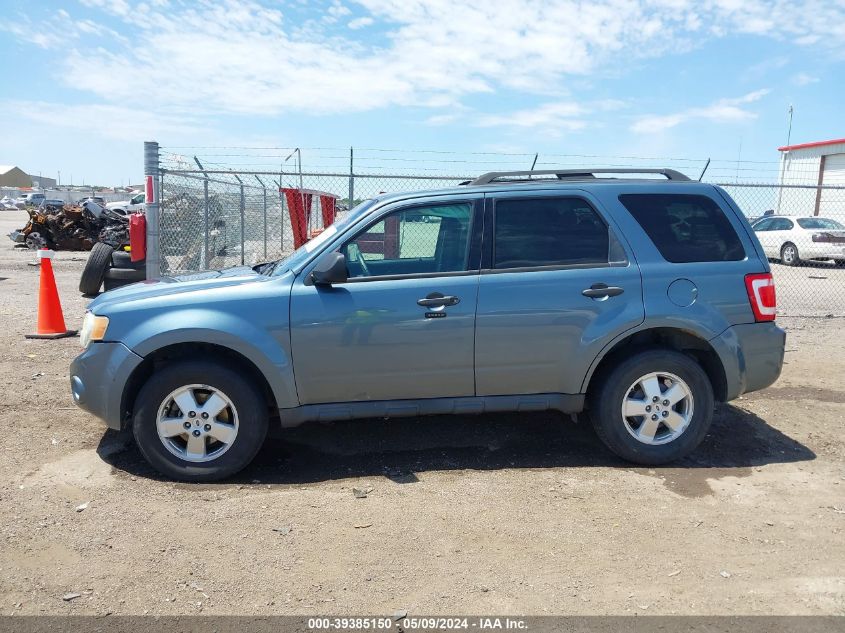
(330, 270)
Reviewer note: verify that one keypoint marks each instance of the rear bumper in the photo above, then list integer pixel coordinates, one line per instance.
(98, 377)
(752, 356)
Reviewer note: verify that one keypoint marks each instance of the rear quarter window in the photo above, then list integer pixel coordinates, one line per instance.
(685, 228)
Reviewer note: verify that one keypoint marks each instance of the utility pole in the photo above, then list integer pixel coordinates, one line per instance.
(784, 155)
(789, 131)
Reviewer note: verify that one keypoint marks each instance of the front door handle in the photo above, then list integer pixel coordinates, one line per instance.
(436, 299)
(602, 291)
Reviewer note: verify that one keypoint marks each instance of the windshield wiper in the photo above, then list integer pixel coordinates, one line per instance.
(265, 268)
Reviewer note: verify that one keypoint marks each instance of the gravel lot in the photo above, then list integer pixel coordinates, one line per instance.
(507, 514)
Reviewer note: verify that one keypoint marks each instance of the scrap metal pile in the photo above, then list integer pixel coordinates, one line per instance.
(72, 228)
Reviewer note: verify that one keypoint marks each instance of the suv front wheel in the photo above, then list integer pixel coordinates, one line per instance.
(199, 421)
(654, 407)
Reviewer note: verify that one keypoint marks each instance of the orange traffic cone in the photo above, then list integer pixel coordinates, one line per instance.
(51, 321)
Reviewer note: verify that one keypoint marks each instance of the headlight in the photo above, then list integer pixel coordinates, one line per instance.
(93, 328)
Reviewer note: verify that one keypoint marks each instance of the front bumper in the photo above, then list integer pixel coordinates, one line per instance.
(98, 377)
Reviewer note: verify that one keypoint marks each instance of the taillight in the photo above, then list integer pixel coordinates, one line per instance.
(761, 295)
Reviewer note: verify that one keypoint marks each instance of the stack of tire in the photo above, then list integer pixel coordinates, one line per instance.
(110, 269)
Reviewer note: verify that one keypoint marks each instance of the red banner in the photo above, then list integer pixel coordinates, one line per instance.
(299, 209)
(328, 206)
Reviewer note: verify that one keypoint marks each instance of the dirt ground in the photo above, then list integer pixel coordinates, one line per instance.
(506, 514)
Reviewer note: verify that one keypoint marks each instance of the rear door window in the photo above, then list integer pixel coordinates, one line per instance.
(685, 228)
(537, 232)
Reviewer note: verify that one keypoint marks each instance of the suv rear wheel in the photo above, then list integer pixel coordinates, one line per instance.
(199, 421)
(654, 407)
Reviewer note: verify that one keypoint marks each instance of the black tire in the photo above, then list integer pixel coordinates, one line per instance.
(117, 277)
(122, 259)
(612, 389)
(99, 261)
(246, 398)
(793, 261)
(126, 274)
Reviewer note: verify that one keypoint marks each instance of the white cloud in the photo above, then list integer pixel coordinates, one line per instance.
(758, 71)
(241, 57)
(360, 23)
(339, 10)
(722, 111)
(558, 116)
(442, 119)
(115, 7)
(58, 32)
(107, 121)
(804, 79)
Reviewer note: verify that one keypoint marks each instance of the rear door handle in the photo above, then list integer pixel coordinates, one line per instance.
(436, 299)
(602, 291)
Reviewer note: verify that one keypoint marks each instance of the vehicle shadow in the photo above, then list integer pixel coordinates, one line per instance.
(400, 448)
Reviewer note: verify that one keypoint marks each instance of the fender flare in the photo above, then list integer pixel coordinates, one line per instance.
(231, 332)
(732, 363)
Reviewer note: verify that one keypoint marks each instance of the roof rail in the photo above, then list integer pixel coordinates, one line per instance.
(576, 174)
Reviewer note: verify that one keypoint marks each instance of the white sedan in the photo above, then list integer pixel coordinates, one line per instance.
(792, 238)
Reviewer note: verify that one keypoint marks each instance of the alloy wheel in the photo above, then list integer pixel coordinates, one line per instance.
(197, 423)
(657, 408)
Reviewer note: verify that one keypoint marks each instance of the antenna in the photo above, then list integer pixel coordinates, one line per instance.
(706, 165)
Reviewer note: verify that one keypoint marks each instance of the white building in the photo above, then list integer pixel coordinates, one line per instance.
(817, 166)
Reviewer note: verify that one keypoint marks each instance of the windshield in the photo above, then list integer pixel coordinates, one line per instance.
(303, 252)
(823, 224)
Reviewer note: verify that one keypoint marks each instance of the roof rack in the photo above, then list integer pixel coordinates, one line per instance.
(574, 174)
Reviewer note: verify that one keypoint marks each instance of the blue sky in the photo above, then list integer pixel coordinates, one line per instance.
(87, 81)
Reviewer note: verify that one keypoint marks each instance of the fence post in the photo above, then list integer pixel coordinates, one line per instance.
(243, 213)
(282, 212)
(152, 173)
(351, 181)
(264, 193)
(206, 258)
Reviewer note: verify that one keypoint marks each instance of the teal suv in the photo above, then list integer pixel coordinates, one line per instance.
(642, 298)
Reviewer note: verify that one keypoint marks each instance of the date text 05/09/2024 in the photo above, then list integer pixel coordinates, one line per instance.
(421, 623)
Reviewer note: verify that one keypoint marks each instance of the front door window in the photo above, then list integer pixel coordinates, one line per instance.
(416, 240)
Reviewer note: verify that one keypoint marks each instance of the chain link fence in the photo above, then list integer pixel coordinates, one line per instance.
(218, 216)
(212, 219)
(802, 231)
(215, 221)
